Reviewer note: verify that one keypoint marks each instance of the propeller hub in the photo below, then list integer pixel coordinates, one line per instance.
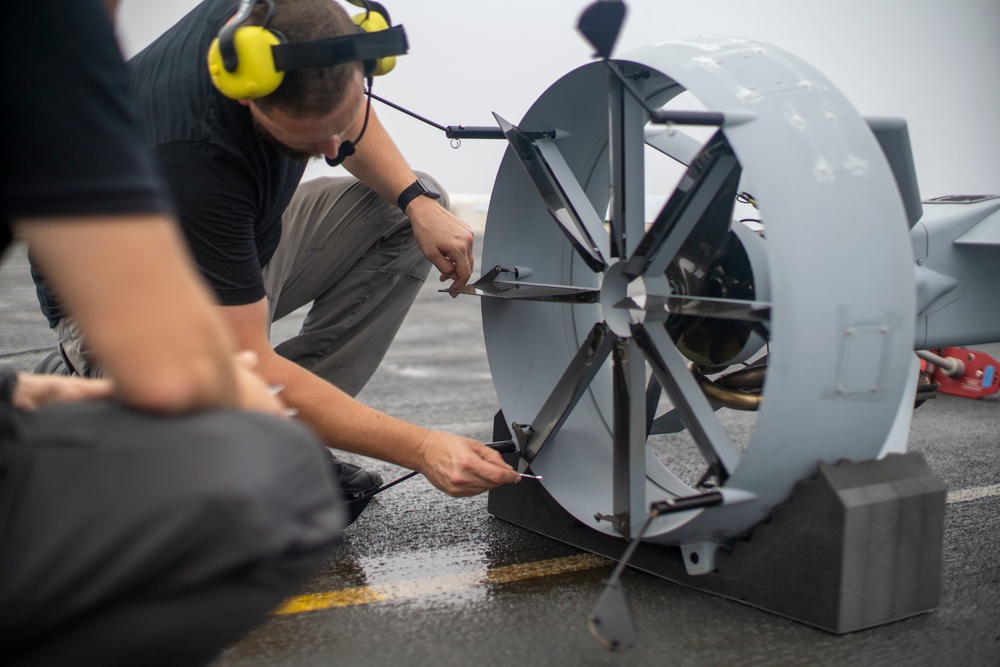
(616, 286)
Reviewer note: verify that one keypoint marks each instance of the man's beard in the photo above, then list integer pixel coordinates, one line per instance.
(293, 153)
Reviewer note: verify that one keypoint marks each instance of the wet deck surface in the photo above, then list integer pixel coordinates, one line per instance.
(424, 579)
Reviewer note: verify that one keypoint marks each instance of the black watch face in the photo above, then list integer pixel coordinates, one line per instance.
(429, 188)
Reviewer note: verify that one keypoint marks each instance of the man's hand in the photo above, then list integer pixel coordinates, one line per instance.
(252, 390)
(34, 391)
(444, 239)
(463, 467)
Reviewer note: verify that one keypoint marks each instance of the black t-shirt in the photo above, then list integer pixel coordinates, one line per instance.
(68, 144)
(229, 184)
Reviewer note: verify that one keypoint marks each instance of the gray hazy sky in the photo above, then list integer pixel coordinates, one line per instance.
(935, 63)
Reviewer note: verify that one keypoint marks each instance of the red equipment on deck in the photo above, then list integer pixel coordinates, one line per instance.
(980, 378)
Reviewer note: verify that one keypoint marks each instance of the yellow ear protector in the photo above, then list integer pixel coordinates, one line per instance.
(250, 61)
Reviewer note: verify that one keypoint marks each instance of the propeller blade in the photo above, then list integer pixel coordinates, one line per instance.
(575, 381)
(706, 192)
(561, 193)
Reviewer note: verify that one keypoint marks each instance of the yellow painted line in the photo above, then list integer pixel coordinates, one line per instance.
(349, 597)
(965, 495)
(346, 597)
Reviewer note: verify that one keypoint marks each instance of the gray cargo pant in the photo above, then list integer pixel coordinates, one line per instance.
(353, 256)
(134, 539)
(349, 253)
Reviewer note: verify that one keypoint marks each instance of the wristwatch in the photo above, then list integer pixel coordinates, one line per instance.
(417, 188)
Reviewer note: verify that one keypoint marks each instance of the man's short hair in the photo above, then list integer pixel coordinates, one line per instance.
(314, 91)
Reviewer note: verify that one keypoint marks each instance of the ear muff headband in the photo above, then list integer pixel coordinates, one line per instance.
(227, 36)
(250, 61)
(370, 8)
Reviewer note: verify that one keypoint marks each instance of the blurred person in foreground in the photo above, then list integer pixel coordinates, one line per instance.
(153, 517)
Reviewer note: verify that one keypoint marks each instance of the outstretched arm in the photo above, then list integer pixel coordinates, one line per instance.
(456, 465)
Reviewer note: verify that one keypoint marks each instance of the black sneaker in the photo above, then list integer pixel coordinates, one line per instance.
(357, 485)
(53, 364)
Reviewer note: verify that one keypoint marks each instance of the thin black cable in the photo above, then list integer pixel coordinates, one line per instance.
(368, 110)
(408, 112)
(18, 353)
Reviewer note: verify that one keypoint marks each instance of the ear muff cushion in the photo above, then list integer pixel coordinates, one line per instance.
(373, 22)
(255, 75)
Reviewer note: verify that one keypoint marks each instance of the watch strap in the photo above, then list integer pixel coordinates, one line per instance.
(417, 188)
